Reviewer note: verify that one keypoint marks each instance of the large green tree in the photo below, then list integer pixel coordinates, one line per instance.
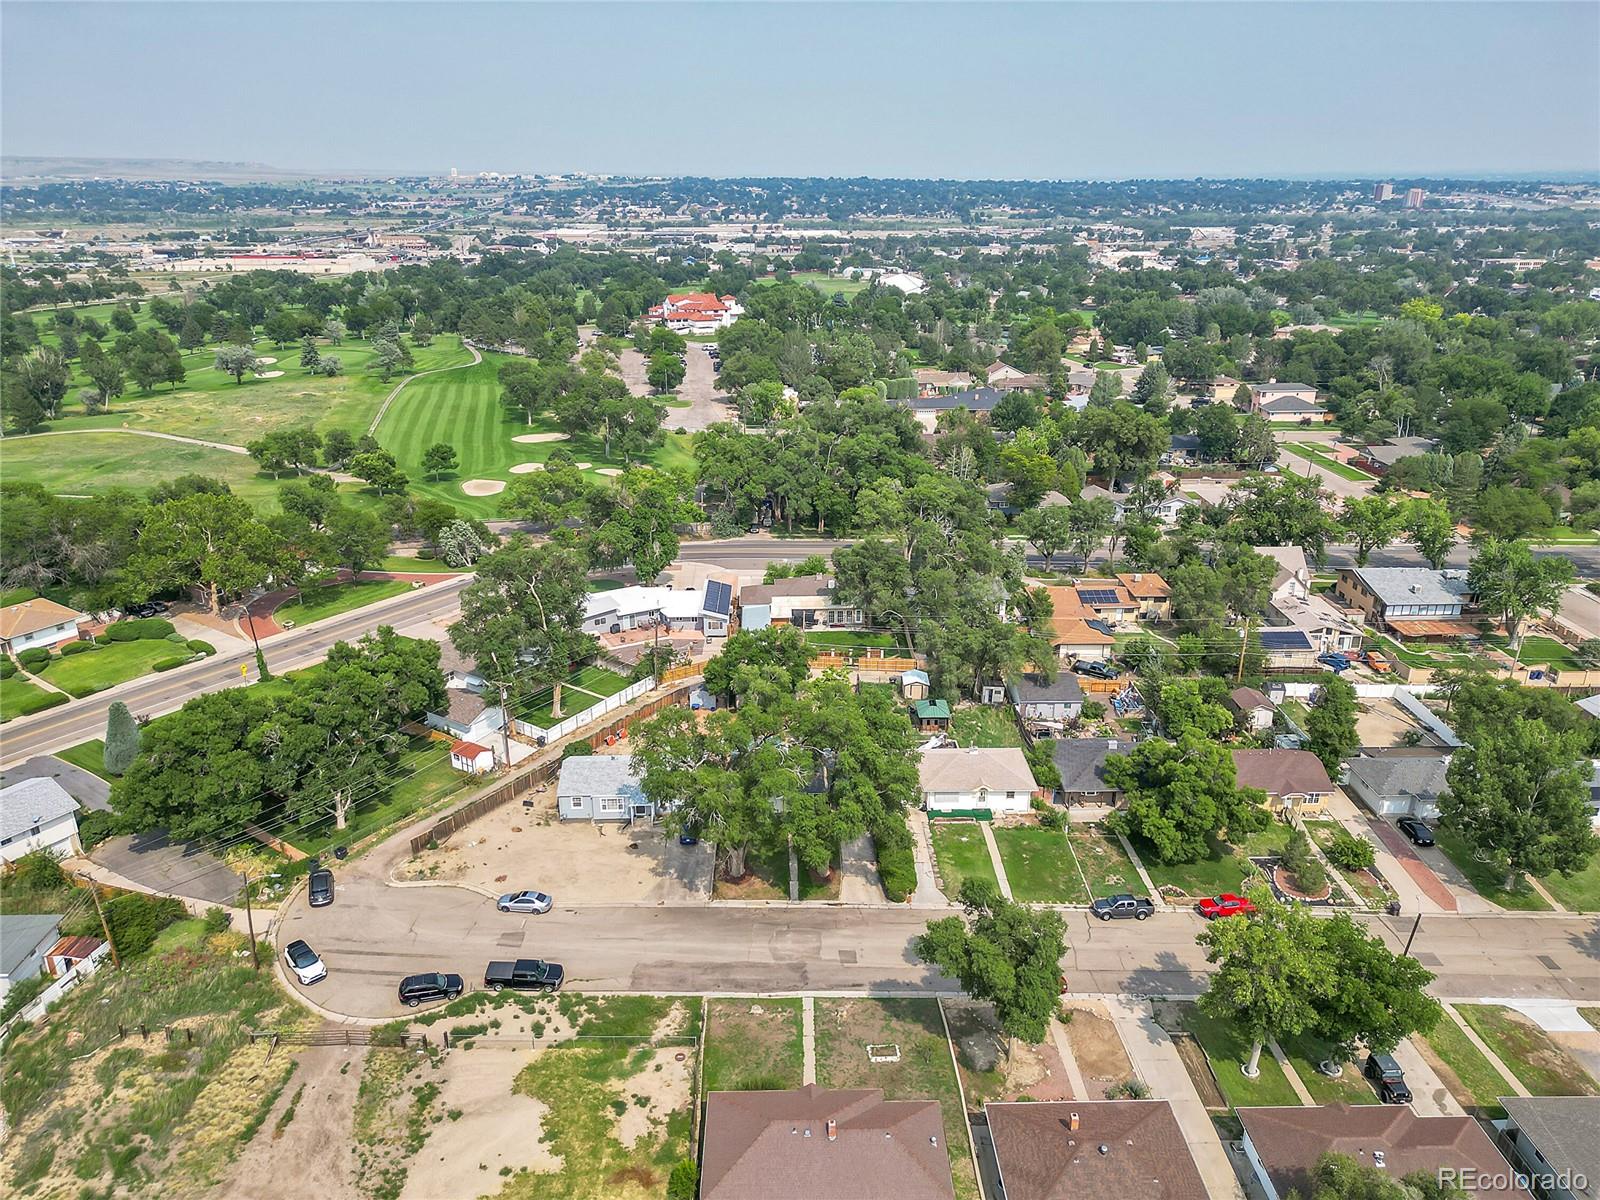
(211, 541)
(1508, 580)
(1331, 723)
(1181, 795)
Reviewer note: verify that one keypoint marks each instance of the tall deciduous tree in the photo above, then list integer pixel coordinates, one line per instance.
(1508, 580)
(1371, 522)
(1331, 723)
(437, 459)
(237, 361)
(213, 541)
(1432, 530)
(1182, 794)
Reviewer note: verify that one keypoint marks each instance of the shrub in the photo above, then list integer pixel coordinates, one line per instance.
(897, 866)
(75, 648)
(95, 826)
(1310, 876)
(167, 664)
(1093, 710)
(177, 639)
(141, 629)
(1053, 818)
(1128, 1089)
(122, 739)
(577, 750)
(122, 631)
(217, 919)
(42, 702)
(426, 553)
(200, 647)
(684, 1182)
(134, 920)
(37, 871)
(35, 657)
(7, 668)
(1350, 852)
(23, 994)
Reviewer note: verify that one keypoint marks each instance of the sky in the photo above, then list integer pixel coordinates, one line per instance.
(960, 91)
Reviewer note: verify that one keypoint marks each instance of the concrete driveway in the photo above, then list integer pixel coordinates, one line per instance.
(153, 862)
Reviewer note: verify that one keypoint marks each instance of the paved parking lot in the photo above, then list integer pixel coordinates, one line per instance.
(152, 861)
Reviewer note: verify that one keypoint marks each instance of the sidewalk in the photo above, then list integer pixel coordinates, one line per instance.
(995, 860)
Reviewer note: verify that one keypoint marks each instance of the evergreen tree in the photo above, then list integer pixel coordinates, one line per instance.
(122, 739)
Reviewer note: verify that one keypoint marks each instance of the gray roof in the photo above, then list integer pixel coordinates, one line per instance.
(1414, 585)
(33, 802)
(1291, 404)
(464, 707)
(978, 399)
(1082, 761)
(601, 775)
(87, 788)
(21, 934)
(1420, 775)
(1563, 1128)
(1033, 688)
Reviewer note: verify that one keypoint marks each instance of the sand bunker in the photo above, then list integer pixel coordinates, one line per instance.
(608, 471)
(583, 466)
(483, 487)
(540, 437)
(266, 362)
(526, 468)
(268, 374)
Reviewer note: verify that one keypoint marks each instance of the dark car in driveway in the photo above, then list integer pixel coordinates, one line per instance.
(524, 975)
(319, 887)
(1386, 1075)
(419, 989)
(1416, 830)
(1096, 670)
(1122, 906)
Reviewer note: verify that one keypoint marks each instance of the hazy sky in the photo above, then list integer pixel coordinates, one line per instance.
(981, 90)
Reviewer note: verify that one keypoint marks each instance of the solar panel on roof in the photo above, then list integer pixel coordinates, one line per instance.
(1285, 639)
(1097, 595)
(719, 597)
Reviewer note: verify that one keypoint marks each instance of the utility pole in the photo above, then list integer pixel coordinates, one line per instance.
(116, 959)
(1244, 644)
(505, 723)
(249, 919)
(1406, 953)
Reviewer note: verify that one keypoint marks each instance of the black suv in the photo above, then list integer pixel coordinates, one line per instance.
(418, 989)
(1122, 906)
(319, 887)
(1416, 830)
(1388, 1078)
(524, 975)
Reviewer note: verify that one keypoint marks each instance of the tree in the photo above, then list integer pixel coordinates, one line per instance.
(337, 447)
(310, 356)
(1340, 1177)
(422, 330)
(1048, 530)
(1507, 512)
(1371, 522)
(237, 361)
(1106, 389)
(1152, 391)
(759, 663)
(122, 739)
(1374, 996)
(1004, 953)
(355, 537)
(1091, 522)
(389, 354)
(1518, 798)
(1331, 723)
(641, 518)
(522, 616)
(461, 543)
(1270, 975)
(437, 459)
(1028, 466)
(213, 541)
(378, 468)
(285, 449)
(1509, 580)
(42, 375)
(1181, 795)
(665, 371)
(105, 372)
(1432, 529)
(1184, 707)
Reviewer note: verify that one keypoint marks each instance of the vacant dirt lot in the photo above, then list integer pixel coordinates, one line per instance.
(1382, 722)
(577, 862)
(307, 1134)
(1102, 1060)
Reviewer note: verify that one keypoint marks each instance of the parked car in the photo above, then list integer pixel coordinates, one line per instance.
(1122, 906)
(303, 961)
(524, 902)
(1337, 662)
(524, 975)
(141, 611)
(419, 989)
(1416, 830)
(1388, 1078)
(1378, 662)
(1096, 670)
(1226, 905)
(319, 887)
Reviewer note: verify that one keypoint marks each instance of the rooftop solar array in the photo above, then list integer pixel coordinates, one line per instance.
(1094, 596)
(719, 597)
(1284, 639)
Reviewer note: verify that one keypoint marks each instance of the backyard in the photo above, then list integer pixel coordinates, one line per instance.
(962, 853)
(984, 725)
(1315, 454)
(583, 689)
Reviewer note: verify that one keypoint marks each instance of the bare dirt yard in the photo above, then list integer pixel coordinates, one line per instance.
(307, 1133)
(1102, 1060)
(994, 1067)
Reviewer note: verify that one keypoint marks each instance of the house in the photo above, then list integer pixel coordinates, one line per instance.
(902, 281)
(1380, 458)
(1552, 1140)
(934, 380)
(1108, 601)
(1043, 702)
(930, 716)
(1165, 511)
(1292, 408)
(1410, 601)
(1323, 622)
(1282, 1146)
(1293, 578)
(25, 941)
(816, 1144)
(804, 601)
(914, 684)
(999, 372)
(1082, 763)
(1262, 393)
(1076, 640)
(602, 787)
(471, 758)
(926, 407)
(637, 607)
(1294, 780)
(1253, 710)
(1092, 1150)
(468, 716)
(1150, 592)
(1405, 782)
(37, 814)
(1021, 383)
(696, 312)
(975, 779)
(37, 622)
(1288, 649)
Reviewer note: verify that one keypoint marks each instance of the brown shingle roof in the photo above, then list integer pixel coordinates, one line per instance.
(19, 620)
(1281, 772)
(1289, 1141)
(1145, 585)
(775, 1145)
(1243, 699)
(796, 585)
(1145, 1156)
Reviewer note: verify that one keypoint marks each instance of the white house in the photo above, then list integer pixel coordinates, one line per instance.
(602, 787)
(37, 622)
(697, 312)
(638, 607)
(37, 814)
(994, 779)
(25, 942)
(903, 281)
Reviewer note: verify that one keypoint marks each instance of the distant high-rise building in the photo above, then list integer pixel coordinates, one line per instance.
(454, 174)
(1414, 197)
(1384, 191)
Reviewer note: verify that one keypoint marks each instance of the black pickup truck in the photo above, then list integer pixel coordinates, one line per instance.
(525, 975)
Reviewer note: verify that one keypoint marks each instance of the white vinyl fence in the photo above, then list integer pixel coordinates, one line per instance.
(46, 1000)
(593, 713)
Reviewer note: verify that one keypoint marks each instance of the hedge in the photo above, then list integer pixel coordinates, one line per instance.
(40, 703)
(7, 668)
(200, 647)
(36, 656)
(168, 664)
(135, 919)
(141, 629)
(897, 865)
(177, 639)
(75, 648)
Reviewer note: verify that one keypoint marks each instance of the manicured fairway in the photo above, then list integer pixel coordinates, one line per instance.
(96, 462)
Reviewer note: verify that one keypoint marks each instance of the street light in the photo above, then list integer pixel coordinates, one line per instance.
(249, 918)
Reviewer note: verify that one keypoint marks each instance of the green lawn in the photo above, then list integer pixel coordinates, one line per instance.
(1342, 470)
(574, 697)
(747, 1050)
(850, 638)
(1304, 1053)
(1471, 1078)
(1039, 865)
(463, 409)
(89, 755)
(985, 725)
(97, 462)
(1485, 879)
(1223, 870)
(825, 283)
(108, 665)
(961, 853)
(1103, 861)
(410, 564)
(1541, 1066)
(422, 776)
(1228, 1050)
(1538, 651)
(19, 697)
(1579, 892)
(329, 600)
(1370, 893)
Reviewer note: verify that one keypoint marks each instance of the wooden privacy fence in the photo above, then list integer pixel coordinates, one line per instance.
(542, 770)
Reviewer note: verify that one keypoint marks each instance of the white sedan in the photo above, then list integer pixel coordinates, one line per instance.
(524, 902)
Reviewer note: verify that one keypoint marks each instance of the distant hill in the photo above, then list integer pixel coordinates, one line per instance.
(16, 168)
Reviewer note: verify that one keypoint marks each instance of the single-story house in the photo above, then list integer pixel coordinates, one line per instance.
(930, 716)
(1282, 1146)
(1021, 383)
(602, 787)
(1380, 458)
(914, 684)
(1292, 408)
(999, 372)
(1411, 601)
(927, 407)
(471, 758)
(1092, 1150)
(622, 609)
(1055, 703)
(936, 380)
(1082, 763)
(1294, 780)
(25, 941)
(37, 814)
(1150, 592)
(992, 778)
(1552, 1139)
(1406, 782)
(1165, 511)
(1076, 640)
(812, 1144)
(1288, 649)
(468, 716)
(1253, 710)
(804, 601)
(37, 622)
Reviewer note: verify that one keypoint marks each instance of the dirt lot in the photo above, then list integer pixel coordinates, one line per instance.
(575, 861)
(1382, 722)
(307, 1134)
(993, 1070)
(1102, 1060)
